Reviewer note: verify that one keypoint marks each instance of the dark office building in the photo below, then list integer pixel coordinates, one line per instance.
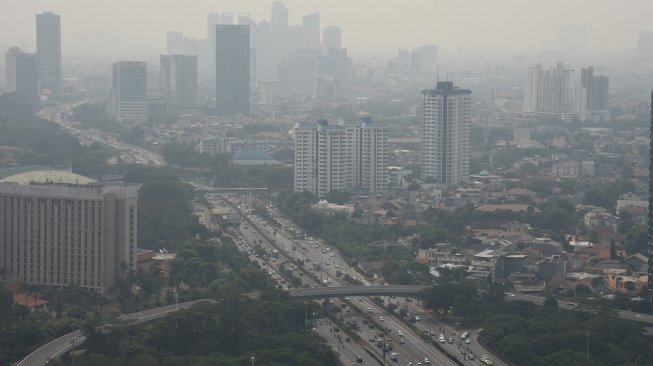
(48, 52)
(596, 88)
(232, 69)
(22, 74)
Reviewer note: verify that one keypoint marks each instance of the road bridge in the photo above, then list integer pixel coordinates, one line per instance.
(324, 292)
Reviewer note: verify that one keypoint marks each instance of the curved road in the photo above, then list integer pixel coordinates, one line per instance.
(63, 344)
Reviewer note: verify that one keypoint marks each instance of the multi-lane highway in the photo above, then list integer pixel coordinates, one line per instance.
(320, 263)
(62, 115)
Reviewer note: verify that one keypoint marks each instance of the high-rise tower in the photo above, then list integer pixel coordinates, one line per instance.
(232, 69)
(331, 36)
(63, 229)
(351, 156)
(22, 74)
(48, 53)
(446, 122)
(178, 81)
(547, 91)
(311, 31)
(128, 100)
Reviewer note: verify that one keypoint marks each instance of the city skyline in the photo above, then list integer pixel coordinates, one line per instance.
(477, 32)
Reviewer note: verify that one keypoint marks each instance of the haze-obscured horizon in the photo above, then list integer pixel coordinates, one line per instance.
(139, 27)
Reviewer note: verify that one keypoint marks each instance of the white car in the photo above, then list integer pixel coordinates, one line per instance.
(417, 318)
(381, 318)
(400, 333)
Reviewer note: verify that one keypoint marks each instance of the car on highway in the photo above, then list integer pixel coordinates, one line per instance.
(417, 318)
(359, 359)
(400, 333)
(381, 318)
(468, 340)
(369, 310)
(402, 340)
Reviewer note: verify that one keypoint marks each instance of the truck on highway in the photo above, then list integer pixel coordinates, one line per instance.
(371, 335)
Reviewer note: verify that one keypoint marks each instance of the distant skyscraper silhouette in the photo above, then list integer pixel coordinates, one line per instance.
(424, 60)
(22, 74)
(128, 101)
(595, 89)
(331, 36)
(645, 45)
(446, 123)
(232, 71)
(311, 31)
(227, 19)
(178, 81)
(244, 19)
(48, 53)
(279, 16)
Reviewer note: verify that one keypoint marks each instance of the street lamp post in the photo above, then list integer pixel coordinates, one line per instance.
(72, 352)
(587, 334)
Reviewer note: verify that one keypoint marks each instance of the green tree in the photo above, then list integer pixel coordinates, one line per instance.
(550, 302)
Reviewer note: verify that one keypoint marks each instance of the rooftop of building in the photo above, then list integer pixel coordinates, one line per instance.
(445, 87)
(47, 177)
(7, 172)
(254, 157)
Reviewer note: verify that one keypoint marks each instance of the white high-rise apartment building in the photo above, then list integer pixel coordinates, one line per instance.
(374, 157)
(351, 156)
(446, 120)
(547, 91)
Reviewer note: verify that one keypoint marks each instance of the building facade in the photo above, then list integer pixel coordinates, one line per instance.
(22, 71)
(48, 53)
(594, 90)
(311, 31)
(232, 70)
(331, 37)
(178, 81)
(351, 156)
(546, 91)
(128, 100)
(446, 120)
(62, 229)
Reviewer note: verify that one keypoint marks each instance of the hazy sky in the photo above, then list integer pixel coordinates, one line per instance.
(96, 25)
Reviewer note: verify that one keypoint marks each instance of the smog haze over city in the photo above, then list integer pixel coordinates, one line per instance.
(326, 182)
(367, 25)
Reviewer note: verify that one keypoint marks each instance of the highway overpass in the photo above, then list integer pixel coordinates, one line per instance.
(321, 292)
(324, 292)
